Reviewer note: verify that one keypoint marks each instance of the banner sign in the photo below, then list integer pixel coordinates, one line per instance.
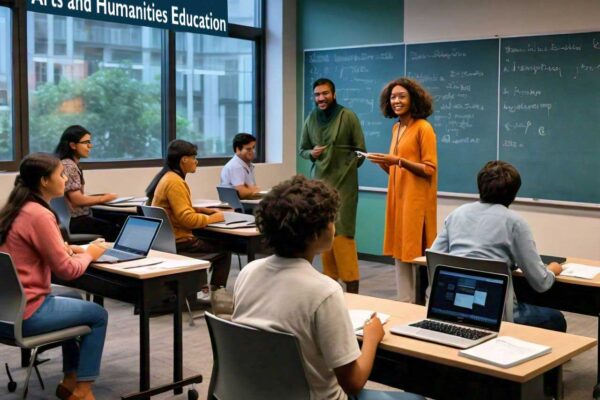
(197, 16)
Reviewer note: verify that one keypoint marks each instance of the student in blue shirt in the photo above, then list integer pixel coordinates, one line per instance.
(239, 171)
(488, 229)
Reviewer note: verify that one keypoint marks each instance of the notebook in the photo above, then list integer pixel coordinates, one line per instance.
(505, 351)
(235, 220)
(359, 317)
(465, 308)
(134, 240)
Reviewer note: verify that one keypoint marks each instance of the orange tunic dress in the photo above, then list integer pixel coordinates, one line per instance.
(411, 207)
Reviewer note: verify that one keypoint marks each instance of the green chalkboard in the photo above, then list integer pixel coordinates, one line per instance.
(462, 77)
(550, 114)
(359, 74)
(532, 101)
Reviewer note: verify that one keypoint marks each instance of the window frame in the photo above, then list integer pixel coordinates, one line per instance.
(20, 106)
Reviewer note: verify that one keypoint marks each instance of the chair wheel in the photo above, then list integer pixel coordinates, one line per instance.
(193, 394)
(12, 386)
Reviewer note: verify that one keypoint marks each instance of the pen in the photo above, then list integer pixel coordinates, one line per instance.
(234, 222)
(143, 265)
(368, 320)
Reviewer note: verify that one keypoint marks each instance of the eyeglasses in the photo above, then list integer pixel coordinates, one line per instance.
(86, 142)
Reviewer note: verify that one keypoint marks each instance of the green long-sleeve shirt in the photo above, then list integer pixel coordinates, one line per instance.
(338, 164)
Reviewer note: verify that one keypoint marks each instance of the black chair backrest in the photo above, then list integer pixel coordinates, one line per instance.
(165, 239)
(253, 364)
(12, 299)
(61, 208)
(229, 195)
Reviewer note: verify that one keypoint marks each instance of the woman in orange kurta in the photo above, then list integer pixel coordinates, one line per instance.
(410, 222)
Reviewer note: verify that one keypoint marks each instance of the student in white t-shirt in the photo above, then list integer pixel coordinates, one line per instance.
(297, 219)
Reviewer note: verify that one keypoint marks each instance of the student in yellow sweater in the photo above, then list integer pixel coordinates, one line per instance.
(169, 190)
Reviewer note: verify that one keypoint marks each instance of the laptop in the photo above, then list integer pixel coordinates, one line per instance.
(134, 240)
(465, 308)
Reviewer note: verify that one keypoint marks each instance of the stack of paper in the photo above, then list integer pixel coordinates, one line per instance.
(580, 271)
(505, 351)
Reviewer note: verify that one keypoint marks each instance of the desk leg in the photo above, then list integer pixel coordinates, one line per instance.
(596, 393)
(251, 247)
(178, 338)
(144, 342)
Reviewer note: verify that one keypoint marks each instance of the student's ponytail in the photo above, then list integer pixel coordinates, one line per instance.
(176, 150)
(26, 188)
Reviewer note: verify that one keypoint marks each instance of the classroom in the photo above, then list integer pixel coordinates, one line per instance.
(203, 72)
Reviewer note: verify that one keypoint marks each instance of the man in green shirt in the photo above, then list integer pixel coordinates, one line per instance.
(330, 137)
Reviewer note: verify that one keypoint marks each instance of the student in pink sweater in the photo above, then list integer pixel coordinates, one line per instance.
(29, 233)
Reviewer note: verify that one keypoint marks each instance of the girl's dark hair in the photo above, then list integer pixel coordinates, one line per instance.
(72, 134)
(498, 183)
(34, 167)
(421, 102)
(176, 151)
(295, 212)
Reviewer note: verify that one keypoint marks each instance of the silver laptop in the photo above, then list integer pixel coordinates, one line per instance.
(134, 240)
(465, 308)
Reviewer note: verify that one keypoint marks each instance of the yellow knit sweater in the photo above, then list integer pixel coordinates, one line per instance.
(173, 194)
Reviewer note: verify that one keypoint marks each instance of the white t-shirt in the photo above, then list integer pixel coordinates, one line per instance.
(288, 295)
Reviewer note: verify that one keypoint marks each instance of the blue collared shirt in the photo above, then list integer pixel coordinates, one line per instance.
(485, 230)
(236, 173)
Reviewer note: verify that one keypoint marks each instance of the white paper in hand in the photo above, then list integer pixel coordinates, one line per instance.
(359, 317)
(580, 271)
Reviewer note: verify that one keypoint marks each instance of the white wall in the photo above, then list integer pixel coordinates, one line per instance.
(557, 230)
(280, 94)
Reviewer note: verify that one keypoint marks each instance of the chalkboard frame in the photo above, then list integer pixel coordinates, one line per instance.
(459, 195)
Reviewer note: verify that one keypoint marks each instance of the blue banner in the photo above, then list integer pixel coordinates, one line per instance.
(197, 16)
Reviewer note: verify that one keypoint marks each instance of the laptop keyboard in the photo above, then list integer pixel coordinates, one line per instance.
(467, 333)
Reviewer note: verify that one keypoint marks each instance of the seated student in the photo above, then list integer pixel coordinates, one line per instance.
(30, 234)
(75, 144)
(169, 190)
(488, 229)
(297, 219)
(239, 171)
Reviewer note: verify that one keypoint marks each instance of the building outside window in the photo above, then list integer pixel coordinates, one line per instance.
(108, 80)
(6, 125)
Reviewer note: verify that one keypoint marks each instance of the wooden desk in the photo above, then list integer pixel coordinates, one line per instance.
(438, 371)
(250, 239)
(147, 287)
(239, 240)
(581, 296)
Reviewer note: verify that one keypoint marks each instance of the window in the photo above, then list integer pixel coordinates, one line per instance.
(244, 12)
(215, 91)
(6, 127)
(108, 80)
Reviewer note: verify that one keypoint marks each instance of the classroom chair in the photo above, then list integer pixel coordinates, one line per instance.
(435, 259)
(165, 241)
(253, 364)
(61, 208)
(12, 307)
(229, 195)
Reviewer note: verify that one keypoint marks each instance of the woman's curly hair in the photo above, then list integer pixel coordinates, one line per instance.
(294, 212)
(421, 102)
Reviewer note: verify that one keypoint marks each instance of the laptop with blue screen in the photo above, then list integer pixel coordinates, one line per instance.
(134, 240)
(465, 308)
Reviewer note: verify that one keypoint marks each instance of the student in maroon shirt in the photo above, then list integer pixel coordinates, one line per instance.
(29, 233)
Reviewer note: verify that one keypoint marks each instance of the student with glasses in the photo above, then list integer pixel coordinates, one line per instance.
(75, 144)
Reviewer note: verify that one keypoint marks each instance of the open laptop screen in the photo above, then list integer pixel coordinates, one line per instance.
(468, 297)
(137, 235)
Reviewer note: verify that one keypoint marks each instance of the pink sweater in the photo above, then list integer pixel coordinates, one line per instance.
(36, 246)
